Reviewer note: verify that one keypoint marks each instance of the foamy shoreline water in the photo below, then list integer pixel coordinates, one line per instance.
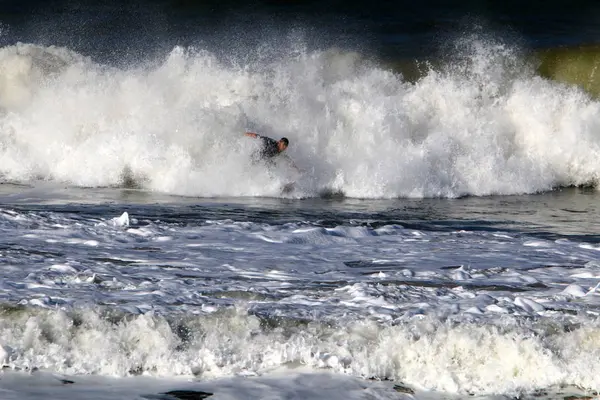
(446, 297)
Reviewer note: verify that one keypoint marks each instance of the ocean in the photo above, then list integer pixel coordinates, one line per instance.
(432, 231)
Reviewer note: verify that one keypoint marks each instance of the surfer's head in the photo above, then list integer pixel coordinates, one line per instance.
(282, 144)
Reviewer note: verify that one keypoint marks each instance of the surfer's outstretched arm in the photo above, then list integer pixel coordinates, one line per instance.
(251, 134)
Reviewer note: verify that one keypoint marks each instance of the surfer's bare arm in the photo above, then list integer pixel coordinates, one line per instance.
(251, 134)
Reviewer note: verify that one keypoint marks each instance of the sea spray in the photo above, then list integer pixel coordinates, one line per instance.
(482, 124)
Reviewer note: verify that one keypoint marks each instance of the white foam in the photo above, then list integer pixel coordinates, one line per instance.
(5, 355)
(63, 268)
(575, 290)
(423, 353)
(529, 305)
(121, 221)
(177, 126)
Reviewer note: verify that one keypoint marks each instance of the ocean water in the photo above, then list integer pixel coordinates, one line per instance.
(432, 232)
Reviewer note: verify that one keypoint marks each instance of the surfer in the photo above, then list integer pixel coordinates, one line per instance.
(269, 147)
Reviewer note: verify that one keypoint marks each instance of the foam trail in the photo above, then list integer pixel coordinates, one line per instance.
(484, 125)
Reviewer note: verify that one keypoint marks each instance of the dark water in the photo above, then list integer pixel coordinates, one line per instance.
(569, 213)
(130, 31)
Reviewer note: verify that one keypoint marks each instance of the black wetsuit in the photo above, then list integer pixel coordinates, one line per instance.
(269, 148)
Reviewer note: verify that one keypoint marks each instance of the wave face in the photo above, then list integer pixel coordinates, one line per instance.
(482, 124)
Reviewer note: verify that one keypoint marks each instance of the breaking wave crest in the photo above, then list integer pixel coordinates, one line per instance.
(484, 123)
(429, 354)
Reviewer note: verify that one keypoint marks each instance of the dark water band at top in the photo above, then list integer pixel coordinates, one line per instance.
(559, 36)
(141, 29)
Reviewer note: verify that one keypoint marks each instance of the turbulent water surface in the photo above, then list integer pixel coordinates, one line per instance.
(431, 232)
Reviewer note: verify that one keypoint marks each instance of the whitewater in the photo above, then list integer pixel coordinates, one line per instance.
(482, 123)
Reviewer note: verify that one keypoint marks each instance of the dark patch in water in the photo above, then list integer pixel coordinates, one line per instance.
(332, 194)
(7, 309)
(403, 389)
(184, 333)
(13, 248)
(148, 249)
(113, 260)
(244, 295)
(128, 180)
(187, 394)
(467, 285)
(451, 267)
